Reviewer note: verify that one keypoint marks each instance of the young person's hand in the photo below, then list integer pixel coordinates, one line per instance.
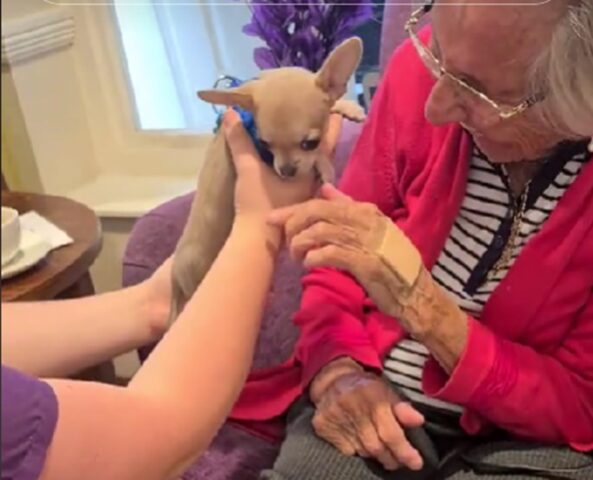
(259, 189)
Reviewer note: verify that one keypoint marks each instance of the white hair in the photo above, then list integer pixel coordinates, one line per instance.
(565, 72)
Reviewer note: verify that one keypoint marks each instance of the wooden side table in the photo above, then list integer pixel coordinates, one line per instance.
(64, 273)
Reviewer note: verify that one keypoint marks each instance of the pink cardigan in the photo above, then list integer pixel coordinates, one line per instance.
(528, 365)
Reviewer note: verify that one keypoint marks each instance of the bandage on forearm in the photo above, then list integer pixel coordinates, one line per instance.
(400, 255)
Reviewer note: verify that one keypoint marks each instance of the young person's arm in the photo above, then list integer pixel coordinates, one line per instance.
(179, 398)
(59, 338)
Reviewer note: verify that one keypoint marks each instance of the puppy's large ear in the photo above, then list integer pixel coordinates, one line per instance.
(238, 96)
(339, 66)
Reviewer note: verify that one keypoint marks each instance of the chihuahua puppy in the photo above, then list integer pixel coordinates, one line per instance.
(291, 108)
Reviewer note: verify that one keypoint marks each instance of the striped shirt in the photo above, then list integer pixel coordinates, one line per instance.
(476, 241)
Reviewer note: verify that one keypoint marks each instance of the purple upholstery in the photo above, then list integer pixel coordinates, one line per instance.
(234, 454)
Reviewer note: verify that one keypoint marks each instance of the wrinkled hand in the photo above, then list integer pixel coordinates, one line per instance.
(335, 231)
(258, 189)
(360, 414)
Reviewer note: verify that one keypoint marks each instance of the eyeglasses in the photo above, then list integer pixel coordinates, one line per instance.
(434, 66)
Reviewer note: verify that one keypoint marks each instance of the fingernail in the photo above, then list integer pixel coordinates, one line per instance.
(414, 459)
(229, 117)
(330, 192)
(274, 218)
(407, 405)
(225, 120)
(416, 464)
(280, 215)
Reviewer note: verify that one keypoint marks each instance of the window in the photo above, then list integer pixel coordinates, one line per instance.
(172, 49)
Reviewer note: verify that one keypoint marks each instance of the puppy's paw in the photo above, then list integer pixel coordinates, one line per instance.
(349, 109)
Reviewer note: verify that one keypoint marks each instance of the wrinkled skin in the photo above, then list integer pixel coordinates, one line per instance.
(375, 418)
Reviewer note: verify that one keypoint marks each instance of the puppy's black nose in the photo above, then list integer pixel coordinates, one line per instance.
(288, 171)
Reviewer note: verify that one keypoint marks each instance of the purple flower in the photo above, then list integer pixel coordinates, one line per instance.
(302, 32)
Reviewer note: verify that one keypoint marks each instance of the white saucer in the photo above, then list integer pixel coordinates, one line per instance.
(32, 250)
(10, 258)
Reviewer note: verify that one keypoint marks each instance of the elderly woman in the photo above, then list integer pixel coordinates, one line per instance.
(459, 293)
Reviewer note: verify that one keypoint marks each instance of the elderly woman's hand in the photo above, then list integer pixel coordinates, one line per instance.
(338, 232)
(358, 413)
(335, 231)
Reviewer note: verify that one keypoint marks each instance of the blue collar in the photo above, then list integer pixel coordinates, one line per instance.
(249, 125)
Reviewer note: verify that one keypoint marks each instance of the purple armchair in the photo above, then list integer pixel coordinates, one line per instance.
(234, 454)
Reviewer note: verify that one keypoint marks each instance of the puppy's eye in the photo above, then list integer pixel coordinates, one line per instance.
(309, 145)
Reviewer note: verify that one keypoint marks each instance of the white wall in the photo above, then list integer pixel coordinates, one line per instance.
(19, 8)
(36, 45)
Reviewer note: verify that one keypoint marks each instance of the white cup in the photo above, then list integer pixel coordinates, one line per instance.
(11, 234)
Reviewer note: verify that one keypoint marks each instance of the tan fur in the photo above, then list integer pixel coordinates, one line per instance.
(290, 105)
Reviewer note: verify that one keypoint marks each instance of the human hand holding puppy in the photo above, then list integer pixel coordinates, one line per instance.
(288, 131)
(259, 190)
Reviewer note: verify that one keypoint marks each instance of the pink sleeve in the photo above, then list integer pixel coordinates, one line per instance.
(332, 323)
(546, 397)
